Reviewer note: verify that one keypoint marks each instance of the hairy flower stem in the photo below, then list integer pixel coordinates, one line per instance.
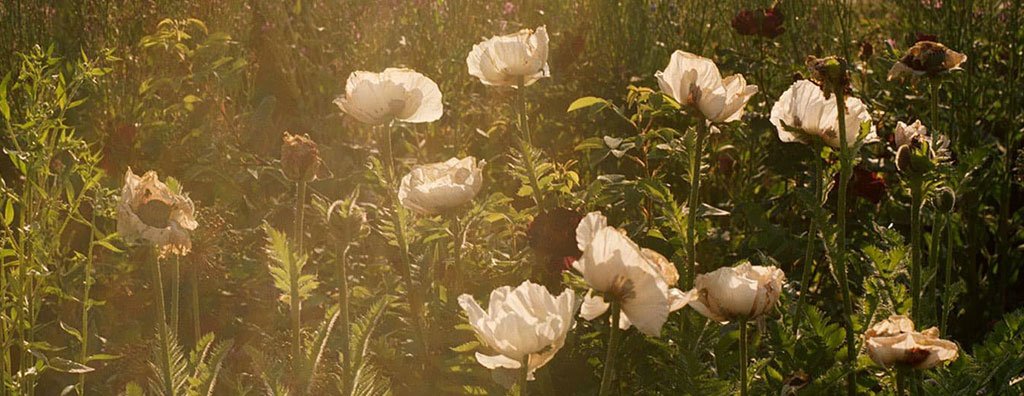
(916, 198)
(526, 143)
(524, 374)
(743, 357)
(840, 260)
(197, 329)
(614, 334)
(812, 231)
(165, 347)
(398, 218)
(458, 239)
(298, 361)
(696, 154)
(948, 278)
(901, 381)
(87, 285)
(175, 292)
(346, 350)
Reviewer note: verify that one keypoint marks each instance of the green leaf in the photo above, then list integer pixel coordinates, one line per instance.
(586, 101)
(66, 366)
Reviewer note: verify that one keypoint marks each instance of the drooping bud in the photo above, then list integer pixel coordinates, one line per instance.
(945, 200)
(300, 157)
(346, 219)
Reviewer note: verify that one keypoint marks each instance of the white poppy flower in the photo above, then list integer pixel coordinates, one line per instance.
(434, 188)
(905, 134)
(693, 80)
(394, 94)
(520, 322)
(803, 113)
(895, 342)
(614, 265)
(505, 60)
(741, 292)
(149, 210)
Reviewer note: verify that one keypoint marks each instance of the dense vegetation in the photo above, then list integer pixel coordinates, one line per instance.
(278, 256)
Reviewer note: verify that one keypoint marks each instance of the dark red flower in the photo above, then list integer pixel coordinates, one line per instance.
(764, 22)
(552, 236)
(867, 184)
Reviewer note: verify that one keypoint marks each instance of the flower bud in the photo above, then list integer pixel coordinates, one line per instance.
(300, 157)
(346, 219)
(945, 200)
(915, 159)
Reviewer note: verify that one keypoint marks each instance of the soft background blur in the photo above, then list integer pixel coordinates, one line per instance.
(203, 90)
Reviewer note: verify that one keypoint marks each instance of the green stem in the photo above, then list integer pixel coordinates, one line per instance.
(901, 386)
(812, 232)
(85, 302)
(165, 366)
(743, 357)
(293, 297)
(196, 327)
(175, 292)
(614, 334)
(948, 278)
(840, 259)
(526, 143)
(300, 214)
(524, 375)
(346, 352)
(398, 218)
(696, 154)
(915, 247)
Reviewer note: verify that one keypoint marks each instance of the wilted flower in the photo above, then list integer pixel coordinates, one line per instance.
(511, 59)
(741, 292)
(552, 235)
(830, 73)
(638, 279)
(150, 210)
(434, 188)
(521, 322)
(893, 342)
(300, 157)
(803, 113)
(394, 94)
(908, 134)
(927, 58)
(764, 22)
(695, 81)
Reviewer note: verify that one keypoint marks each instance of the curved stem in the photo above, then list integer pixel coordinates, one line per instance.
(526, 143)
(743, 357)
(614, 334)
(915, 247)
(696, 154)
(812, 233)
(840, 259)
